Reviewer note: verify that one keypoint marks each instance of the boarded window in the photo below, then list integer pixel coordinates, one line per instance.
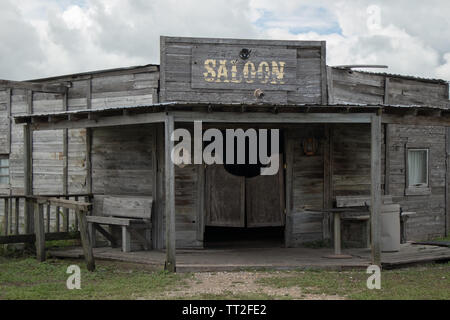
(4, 170)
(417, 167)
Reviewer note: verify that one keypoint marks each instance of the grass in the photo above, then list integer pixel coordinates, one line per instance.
(24, 278)
(426, 282)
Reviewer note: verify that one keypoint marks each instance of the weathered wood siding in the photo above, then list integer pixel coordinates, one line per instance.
(351, 160)
(360, 87)
(182, 79)
(4, 121)
(304, 225)
(429, 221)
(121, 87)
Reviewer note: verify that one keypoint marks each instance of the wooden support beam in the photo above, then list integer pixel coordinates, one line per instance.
(170, 196)
(96, 121)
(89, 142)
(283, 118)
(6, 217)
(200, 204)
(28, 167)
(17, 217)
(105, 233)
(65, 185)
(327, 181)
(375, 208)
(39, 231)
(85, 241)
(158, 190)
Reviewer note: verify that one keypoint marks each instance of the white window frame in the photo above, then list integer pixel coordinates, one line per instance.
(420, 189)
(5, 157)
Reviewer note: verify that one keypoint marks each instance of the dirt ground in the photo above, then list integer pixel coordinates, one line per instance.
(238, 284)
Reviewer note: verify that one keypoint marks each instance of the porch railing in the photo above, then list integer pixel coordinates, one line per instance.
(36, 219)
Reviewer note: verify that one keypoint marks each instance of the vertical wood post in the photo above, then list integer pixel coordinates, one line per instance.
(375, 209)
(327, 174)
(85, 241)
(6, 217)
(337, 234)
(39, 231)
(170, 197)
(28, 167)
(66, 221)
(89, 141)
(17, 216)
(28, 173)
(48, 218)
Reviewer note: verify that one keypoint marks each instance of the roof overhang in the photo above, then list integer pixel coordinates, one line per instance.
(224, 113)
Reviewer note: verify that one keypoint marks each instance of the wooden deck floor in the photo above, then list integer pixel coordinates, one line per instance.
(266, 258)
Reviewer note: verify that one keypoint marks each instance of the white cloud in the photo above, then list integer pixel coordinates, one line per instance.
(53, 37)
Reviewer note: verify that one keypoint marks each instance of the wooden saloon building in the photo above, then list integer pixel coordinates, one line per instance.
(351, 144)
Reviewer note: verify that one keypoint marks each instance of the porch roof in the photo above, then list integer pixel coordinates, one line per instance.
(223, 112)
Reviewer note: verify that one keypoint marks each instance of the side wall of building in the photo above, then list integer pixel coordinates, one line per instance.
(122, 87)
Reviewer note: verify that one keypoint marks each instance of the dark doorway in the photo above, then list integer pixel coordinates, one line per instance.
(244, 207)
(226, 237)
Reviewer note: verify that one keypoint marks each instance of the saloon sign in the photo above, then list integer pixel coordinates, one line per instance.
(223, 67)
(227, 71)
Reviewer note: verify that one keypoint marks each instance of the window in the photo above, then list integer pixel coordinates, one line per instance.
(4, 170)
(417, 167)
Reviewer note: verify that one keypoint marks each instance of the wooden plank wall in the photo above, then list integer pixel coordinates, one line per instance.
(176, 72)
(308, 187)
(127, 87)
(351, 160)
(429, 221)
(359, 87)
(4, 121)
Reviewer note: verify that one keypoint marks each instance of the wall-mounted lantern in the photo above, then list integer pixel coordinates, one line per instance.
(310, 146)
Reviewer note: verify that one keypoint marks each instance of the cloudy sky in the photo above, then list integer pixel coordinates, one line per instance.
(42, 38)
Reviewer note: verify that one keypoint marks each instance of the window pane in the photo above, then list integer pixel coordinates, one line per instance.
(4, 171)
(417, 167)
(4, 162)
(4, 180)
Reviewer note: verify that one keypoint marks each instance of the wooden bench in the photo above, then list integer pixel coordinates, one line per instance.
(128, 212)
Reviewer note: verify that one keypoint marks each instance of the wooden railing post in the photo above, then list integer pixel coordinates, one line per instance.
(6, 217)
(39, 230)
(85, 241)
(17, 214)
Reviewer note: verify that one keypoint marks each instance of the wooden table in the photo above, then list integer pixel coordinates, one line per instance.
(337, 232)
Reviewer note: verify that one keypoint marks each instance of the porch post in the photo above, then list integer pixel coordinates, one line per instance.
(375, 208)
(170, 197)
